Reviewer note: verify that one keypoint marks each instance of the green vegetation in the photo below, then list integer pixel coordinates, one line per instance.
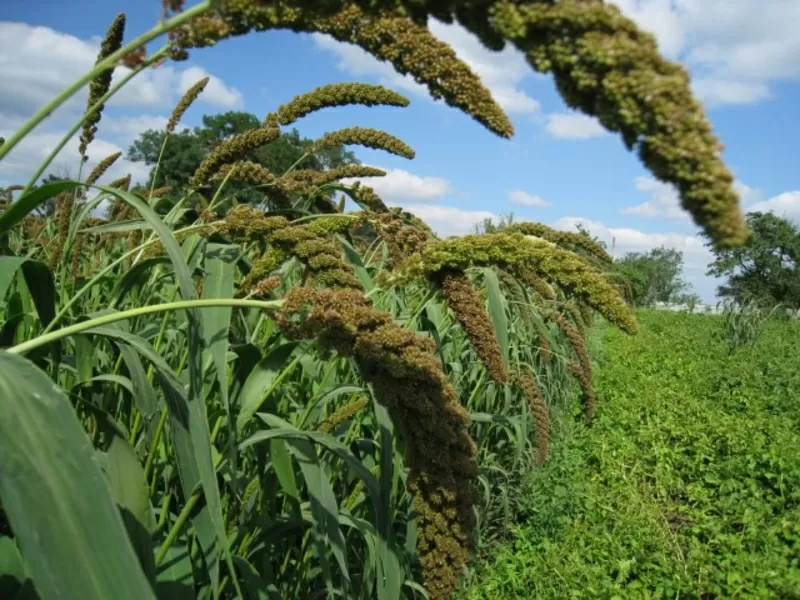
(655, 276)
(229, 387)
(687, 485)
(766, 269)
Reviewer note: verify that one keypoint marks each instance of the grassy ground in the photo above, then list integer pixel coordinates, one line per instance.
(687, 485)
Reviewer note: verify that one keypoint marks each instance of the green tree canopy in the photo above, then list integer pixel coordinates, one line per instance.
(767, 268)
(655, 276)
(185, 150)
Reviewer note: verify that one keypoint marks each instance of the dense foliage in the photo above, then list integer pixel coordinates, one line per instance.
(766, 269)
(686, 486)
(232, 387)
(654, 276)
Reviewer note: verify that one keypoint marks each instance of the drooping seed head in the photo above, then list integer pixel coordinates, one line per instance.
(526, 382)
(385, 31)
(367, 137)
(566, 239)
(519, 254)
(335, 94)
(123, 183)
(231, 150)
(407, 379)
(468, 308)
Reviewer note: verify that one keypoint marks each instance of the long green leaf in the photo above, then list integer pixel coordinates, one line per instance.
(12, 570)
(197, 419)
(130, 491)
(497, 310)
(261, 381)
(55, 495)
(39, 280)
(29, 201)
(220, 262)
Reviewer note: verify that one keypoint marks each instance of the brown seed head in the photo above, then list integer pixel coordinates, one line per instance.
(468, 308)
(364, 136)
(185, 102)
(526, 382)
(335, 94)
(386, 33)
(101, 84)
(102, 167)
(231, 150)
(408, 380)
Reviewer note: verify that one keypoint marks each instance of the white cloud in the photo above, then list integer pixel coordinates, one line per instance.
(399, 187)
(523, 198)
(449, 220)
(18, 165)
(573, 126)
(414, 192)
(501, 72)
(715, 91)
(39, 62)
(665, 202)
(785, 205)
(735, 50)
(127, 129)
(625, 239)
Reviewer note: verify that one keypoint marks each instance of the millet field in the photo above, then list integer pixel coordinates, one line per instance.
(268, 384)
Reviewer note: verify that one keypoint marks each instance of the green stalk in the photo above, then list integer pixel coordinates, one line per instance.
(94, 108)
(158, 163)
(99, 276)
(108, 63)
(151, 453)
(176, 528)
(138, 312)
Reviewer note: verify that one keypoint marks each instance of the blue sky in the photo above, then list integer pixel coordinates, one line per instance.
(560, 168)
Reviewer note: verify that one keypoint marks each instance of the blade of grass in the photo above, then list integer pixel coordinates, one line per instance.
(56, 498)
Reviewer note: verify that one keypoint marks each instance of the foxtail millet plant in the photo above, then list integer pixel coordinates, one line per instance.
(335, 94)
(410, 47)
(568, 240)
(582, 368)
(602, 64)
(101, 84)
(519, 254)
(101, 168)
(407, 378)
(367, 137)
(342, 414)
(231, 150)
(185, 102)
(525, 381)
(467, 306)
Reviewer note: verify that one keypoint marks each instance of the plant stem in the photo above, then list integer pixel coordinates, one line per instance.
(107, 63)
(151, 453)
(176, 528)
(137, 312)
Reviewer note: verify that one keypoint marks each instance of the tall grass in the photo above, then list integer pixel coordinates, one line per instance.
(207, 400)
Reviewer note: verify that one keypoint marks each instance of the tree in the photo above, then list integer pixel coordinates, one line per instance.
(185, 150)
(766, 269)
(655, 276)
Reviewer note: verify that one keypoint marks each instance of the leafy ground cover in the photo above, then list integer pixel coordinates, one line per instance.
(687, 485)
